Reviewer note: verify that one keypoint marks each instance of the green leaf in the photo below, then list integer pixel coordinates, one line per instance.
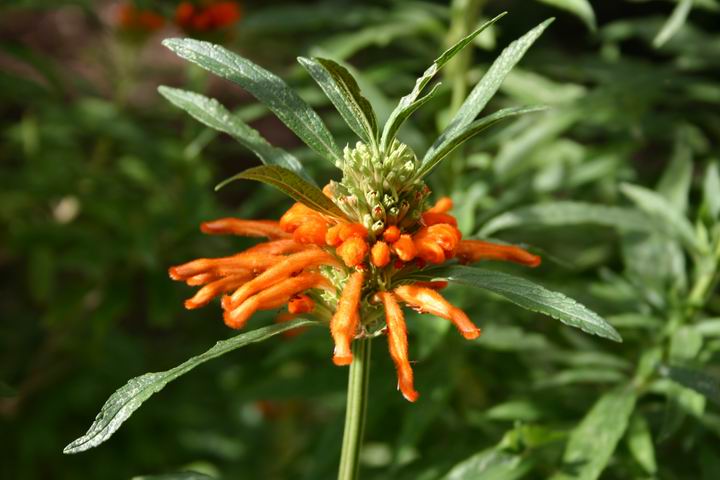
(558, 214)
(292, 185)
(490, 464)
(411, 102)
(593, 441)
(704, 383)
(526, 294)
(711, 190)
(434, 156)
(123, 403)
(674, 23)
(580, 8)
(488, 85)
(676, 180)
(640, 443)
(343, 91)
(213, 114)
(667, 216)
(266, 87)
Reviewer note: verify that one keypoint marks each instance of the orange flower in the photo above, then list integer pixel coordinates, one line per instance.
(305, 246)
(474, 250)
(344, 323)
(397, 342)
(130, 17)
(380, 254)
(211, 16)
(427, 300)
(404, 248)
(353, 251)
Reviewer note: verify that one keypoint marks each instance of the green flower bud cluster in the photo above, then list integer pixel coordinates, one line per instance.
(379, 189)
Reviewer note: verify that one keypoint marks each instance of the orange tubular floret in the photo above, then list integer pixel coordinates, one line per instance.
(213, 289)
(470, 251)
(439, 285)
(429, 250)
(278, 247)
(200, 279)
(380, 254)
(404, 248)
(280, 271)
(391, 234)
(353, 251)
(296, 216)
(432, 218)
(349, 230)
(246, 228)
(311, 232)
(398, 345)
(443, 205)
(427, 300)
(332, 237)
(301, 304)
(273, 297)
(224, 265)
(344, 323)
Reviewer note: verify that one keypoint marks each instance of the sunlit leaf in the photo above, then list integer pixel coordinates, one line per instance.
(674, 23)
(488, 85)
(526, 294)
(711, 189)
(213, 114)
(640, 443)
(560, 214)
(292, 185)
(593, 441)
(491, 464)
(409, 102)
(434, 157)
(266, 87)
(343, 91)
(123, 403)
(581, 8)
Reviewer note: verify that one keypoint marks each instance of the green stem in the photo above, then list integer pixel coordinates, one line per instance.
(357, 399)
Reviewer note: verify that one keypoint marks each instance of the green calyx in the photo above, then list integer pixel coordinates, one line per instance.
(379, 189)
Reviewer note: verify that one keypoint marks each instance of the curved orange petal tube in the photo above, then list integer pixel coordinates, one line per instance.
(344, 323)
(398, 345)
(470, 251)
(246, 228)
(428, 300)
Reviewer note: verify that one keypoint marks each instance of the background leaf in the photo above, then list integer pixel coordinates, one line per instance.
(266, 87)
(123, 403)
(491, 464)
(702, 382)
(592, 442)
(674, 23)
(290, 184)
(581, 8)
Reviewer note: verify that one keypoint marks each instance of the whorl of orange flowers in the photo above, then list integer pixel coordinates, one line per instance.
(310, 259)
(132, 18)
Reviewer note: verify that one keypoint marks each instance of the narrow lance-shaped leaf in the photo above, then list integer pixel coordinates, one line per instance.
(292, 185)
(408, 103)
(526, 294)
(703, 383)
(491, 464)
(213, 114)
(266, 87)
(343, 91)
(674, 23)
(640, 443)
(668, 218)
(487, 86)
(123, 403)
(470, 131)
(711, 190)
(581, 8)
(557, 214)
(593, 441)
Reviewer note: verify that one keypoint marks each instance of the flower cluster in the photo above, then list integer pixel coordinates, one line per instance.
(349, 271)
(192, 17)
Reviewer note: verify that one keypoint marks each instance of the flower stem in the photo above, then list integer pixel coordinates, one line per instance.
(357, 399)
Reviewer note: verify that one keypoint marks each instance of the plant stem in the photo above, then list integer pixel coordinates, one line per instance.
(357, 399)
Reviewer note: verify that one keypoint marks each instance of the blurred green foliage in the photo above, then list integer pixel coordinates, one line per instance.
(103, 185)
